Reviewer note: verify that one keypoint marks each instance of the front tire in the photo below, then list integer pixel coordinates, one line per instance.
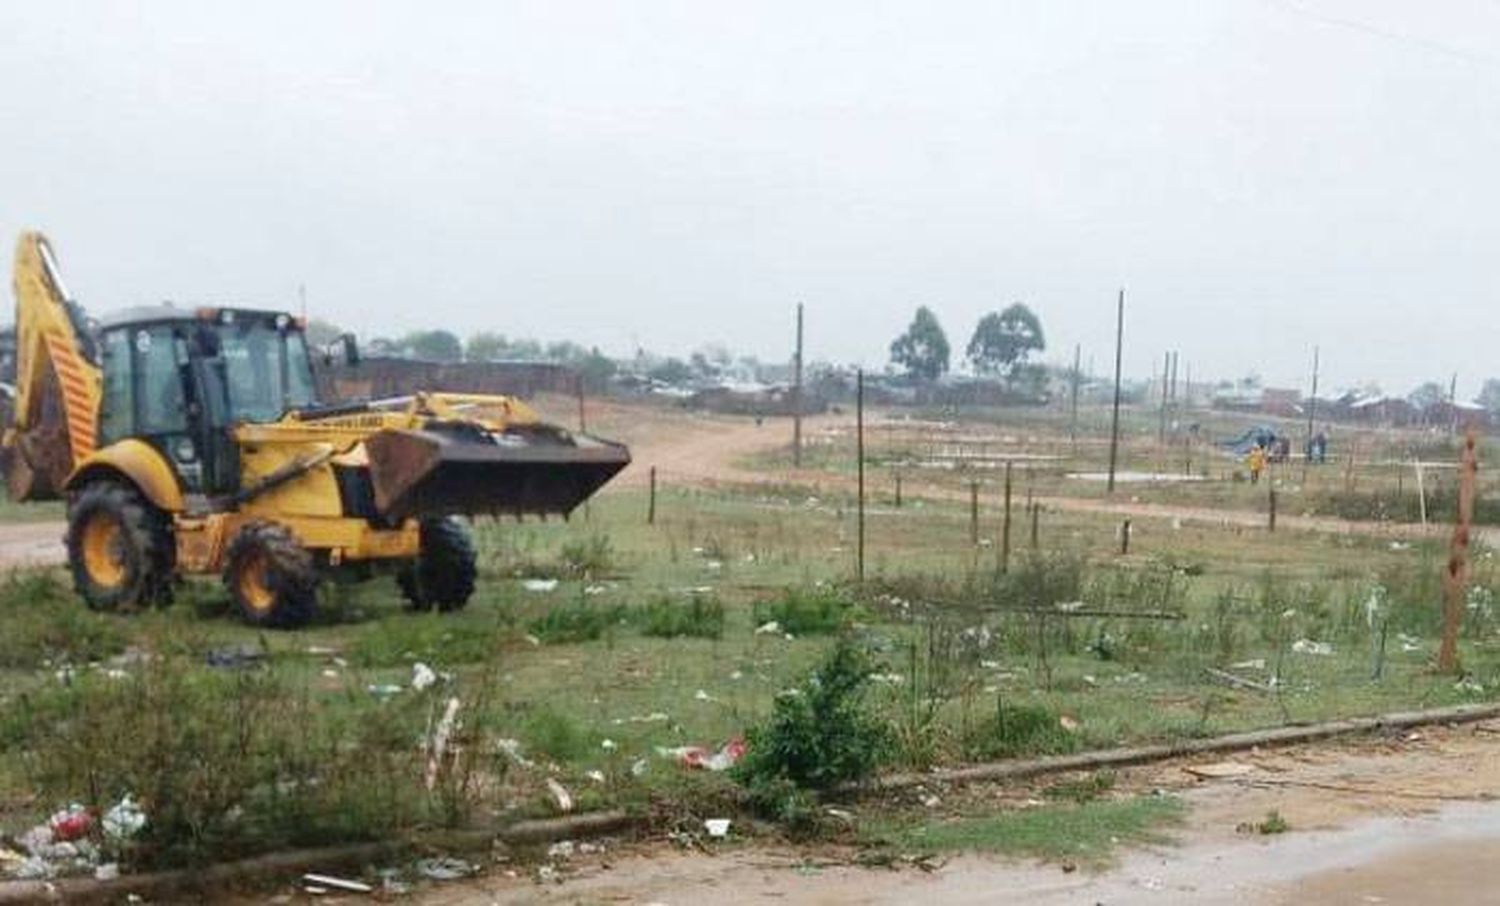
(444, 572)
(271, 577)
(120, 548)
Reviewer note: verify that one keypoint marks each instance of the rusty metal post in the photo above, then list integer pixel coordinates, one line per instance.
(1456, 575)
(1005, 524)
(1272, 524)
(651, 504)
(1114, 425)
(859, 452)
(1125, 537)
(974, 513)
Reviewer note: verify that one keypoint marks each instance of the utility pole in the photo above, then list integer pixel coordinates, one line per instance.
(1312, 414)
(1453, 405)
(859, 442)
(1073, 418)
(797, 395)
(1166, 369)
(1114, 426)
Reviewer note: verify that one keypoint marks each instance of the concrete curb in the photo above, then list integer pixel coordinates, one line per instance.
(216, 878)
(1281, 736)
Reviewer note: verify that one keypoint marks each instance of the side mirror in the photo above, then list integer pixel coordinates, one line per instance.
(351, 349)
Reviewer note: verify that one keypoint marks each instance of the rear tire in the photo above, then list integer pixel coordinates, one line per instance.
(120, 548)
(271, 577)
(443, 574)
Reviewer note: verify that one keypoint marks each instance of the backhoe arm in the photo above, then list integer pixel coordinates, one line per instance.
(57, 378)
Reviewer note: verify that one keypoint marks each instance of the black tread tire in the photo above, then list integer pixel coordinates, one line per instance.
(148, 546)
(291, 575)
(443, 575)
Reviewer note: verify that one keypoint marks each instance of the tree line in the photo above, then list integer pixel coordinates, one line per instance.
(1000, 347)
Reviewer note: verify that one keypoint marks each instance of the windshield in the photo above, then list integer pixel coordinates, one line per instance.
(268, 371)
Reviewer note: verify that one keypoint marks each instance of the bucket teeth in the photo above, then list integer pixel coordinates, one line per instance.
(538, 471)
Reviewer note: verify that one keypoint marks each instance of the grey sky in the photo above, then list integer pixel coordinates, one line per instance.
(1260, 175)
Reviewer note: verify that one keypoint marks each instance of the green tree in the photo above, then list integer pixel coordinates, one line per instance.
(596, 369)
(320, 333)
(1427, 396)
(1489, 396)
(486, 346)
(434, 346)
(1002, 341)
(923, 349)
(671, 371)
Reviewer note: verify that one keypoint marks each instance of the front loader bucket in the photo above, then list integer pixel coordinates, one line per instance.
(521, 472)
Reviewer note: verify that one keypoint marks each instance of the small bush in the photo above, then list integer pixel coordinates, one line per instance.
(590, 558)
(1086, 789)
(557, 736)
(700, 616)
(577, 622)
(821, 736)
(1016, 730)
(42, 621)
(432, 638)
(819, 610)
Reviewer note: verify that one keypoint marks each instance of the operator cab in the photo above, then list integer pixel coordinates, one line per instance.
(180, 380)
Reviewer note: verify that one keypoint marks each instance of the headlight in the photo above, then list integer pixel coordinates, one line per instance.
(184, 450)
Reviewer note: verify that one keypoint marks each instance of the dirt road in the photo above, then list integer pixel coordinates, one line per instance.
(1397, 821)
(31, 544)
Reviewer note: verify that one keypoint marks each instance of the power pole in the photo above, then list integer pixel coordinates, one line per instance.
(859, 444)
(797, 395)
(1453, 405)
(1114, 426)
(1313, 401)
(1073, 418)
(1166, 368)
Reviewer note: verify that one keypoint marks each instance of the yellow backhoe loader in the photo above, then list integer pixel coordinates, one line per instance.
(192, 441)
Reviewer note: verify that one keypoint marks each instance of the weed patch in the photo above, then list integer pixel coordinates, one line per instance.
(41, 621)
(700, 616)
(815, 610)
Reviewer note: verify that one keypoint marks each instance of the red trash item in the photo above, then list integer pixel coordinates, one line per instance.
(71, 825)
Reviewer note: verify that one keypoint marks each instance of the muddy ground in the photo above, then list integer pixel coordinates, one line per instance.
(1407, 819)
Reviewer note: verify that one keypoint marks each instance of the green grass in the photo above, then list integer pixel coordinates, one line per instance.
(1087, 833)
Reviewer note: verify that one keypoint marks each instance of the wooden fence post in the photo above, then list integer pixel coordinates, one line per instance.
(1456, 576)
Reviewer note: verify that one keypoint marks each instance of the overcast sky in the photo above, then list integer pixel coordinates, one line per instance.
(1259, 175)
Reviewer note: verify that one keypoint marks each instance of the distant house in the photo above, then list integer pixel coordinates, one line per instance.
(1282, 402)
(1383, 410)
(1461, 414)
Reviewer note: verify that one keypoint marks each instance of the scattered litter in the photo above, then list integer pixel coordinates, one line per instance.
(1308, 646)
(1220, 770)
(639, 767)
(124, 819)
(72, 823)
(770, 628)
(337, 883)
(718, 828)
(596, 776)
(888, 679)
(320, 650)
(560, 795)
(1400, 546)
(384, 690)
(107, 872)
(1469, 686)
(609, 745)
(444, 868)
(1256, 664)
(235, 656)
(562, 849)
(512, 750)
(314, 890)
(422, 676)
(700, 757)
(545, 873)
(1068, 723)
(703, 696)
(931, 800)
(330, 673)
(592, 590)
(539, 585)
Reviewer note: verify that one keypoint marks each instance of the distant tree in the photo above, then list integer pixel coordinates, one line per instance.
(596, 369)
(1427, 395)
(566, 352)
(320, 333)
(1003, 341)
(434, 346)
(385, 346)
(671, 371)
(486, 346)
(1489, 396)
(923, 349)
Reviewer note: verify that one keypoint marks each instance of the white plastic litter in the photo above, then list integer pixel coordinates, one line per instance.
(422, 676)
(560, 795)
(1308, 646)
(124, 819)
(771, 628)
(718, 828)
(539, 585)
